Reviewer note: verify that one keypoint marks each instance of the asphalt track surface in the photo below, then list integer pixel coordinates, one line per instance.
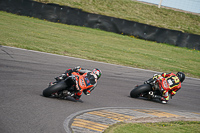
(25, 74)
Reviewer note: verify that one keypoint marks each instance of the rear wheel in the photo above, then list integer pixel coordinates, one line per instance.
(54, 88)
(142, 89)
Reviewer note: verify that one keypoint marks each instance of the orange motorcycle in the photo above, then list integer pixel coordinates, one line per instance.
(66, 87)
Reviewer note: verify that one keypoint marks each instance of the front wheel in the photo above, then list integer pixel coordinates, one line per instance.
(54, 88)
(142, 89)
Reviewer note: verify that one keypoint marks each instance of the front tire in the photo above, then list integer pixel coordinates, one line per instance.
(54, 88)
(142, 89)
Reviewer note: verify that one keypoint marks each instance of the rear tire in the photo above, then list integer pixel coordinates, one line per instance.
(142, 89)
(54, 88)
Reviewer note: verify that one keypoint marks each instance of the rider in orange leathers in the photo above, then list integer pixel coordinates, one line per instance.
(167, 83)
(85, 80)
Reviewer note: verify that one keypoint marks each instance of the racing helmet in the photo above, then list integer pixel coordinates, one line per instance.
(181, 76)
(97, 72)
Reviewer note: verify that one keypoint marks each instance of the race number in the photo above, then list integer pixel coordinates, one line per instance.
(173, 80)
(176, 79)
(170, 82)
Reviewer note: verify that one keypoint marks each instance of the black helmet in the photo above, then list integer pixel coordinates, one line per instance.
(181, 76)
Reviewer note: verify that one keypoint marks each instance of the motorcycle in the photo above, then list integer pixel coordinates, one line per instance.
(63, 88)
(151, 90)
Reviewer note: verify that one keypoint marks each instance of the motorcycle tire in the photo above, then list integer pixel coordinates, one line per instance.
(54, 88)
(142, 89)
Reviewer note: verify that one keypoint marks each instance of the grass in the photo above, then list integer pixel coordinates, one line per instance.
(137, 11)
(162, 127)
(93, 44)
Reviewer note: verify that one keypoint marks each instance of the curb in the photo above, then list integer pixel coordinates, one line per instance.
(98, 119)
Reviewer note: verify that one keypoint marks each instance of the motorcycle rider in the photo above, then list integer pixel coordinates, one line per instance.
(173, 84)
(88, 82)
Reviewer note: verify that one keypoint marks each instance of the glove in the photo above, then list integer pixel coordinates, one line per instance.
(76, 68)
(151, 80)
(147, 82)
(59, 78)
(155, 76)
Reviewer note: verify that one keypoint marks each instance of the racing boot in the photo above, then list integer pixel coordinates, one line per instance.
(76, 97)
(86, 92)
(163, 100)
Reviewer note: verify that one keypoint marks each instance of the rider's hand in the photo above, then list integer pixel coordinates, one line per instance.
(63, 76)
(58, 78)
(76, 68)
(155, 76)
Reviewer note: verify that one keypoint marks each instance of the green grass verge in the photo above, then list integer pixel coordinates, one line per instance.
(137, 11)
(163, 127)
(93, 44)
